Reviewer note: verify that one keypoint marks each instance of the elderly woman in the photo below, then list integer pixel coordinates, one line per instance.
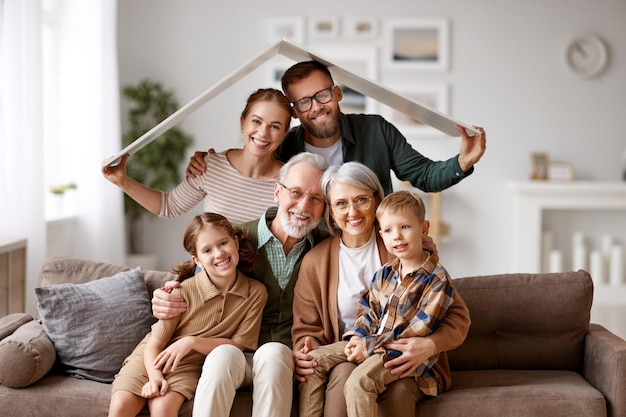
(333, 277)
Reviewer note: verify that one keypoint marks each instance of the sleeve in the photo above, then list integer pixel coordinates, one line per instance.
(164, 329)
(185, 195)
(410, 165)
(307, 308)
(453, 329)
(247, 334)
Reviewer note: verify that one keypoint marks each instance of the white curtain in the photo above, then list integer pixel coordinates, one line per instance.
(89, 108)
(21, 158)
(89, 102)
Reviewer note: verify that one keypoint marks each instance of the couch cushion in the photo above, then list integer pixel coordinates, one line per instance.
(95, 325)
(525, 321)
(25, 356)
(65, 270)
(11, 322)
(516, 393)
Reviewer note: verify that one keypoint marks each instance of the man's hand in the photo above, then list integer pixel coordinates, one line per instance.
(165, 305)
(196, 165)
(415, 351)
(472, 147)
(304, 362)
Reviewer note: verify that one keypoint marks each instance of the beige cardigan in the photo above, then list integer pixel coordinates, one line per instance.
(315, 309)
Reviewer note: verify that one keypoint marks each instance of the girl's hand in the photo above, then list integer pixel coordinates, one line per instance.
(170, 357)
(154, 388)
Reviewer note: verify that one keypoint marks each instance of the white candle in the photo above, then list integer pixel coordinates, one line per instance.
(616, 266)
(556, 261)
(547, 244)
(596, 267)
(579, 252)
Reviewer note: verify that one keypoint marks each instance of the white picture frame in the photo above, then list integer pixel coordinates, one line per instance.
(434, 96)
(416, 44)
(323, 27)
(361, 60)
(291, 29)
(361, 27)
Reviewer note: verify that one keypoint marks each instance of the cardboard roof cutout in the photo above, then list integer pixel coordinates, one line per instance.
(364, 86)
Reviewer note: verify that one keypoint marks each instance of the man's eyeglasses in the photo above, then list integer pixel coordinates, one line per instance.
(361, 203)
(297, 194)
(305, 103)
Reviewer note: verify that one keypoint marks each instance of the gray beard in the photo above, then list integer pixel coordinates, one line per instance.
(294, 229)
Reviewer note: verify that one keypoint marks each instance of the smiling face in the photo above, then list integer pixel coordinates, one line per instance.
(264, 127)
(322, 121)
(217, 252)
(299, 216)
(402, 233)
(357, 223)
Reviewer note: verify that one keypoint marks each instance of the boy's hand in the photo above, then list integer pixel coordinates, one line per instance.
(354, 350)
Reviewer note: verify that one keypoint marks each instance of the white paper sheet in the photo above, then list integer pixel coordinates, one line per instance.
(363, 85)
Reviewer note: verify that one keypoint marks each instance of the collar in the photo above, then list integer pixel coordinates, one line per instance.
(426, 268)
(208, 291)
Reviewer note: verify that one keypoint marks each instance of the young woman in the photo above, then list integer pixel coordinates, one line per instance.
(224, 307)
(238, 183)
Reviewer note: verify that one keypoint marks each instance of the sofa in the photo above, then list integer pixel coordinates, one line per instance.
(530, 351)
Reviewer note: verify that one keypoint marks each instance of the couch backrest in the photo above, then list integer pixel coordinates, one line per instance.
(62, 270)
(525, 321)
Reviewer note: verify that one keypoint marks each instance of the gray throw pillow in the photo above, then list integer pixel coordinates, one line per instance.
(95, 325)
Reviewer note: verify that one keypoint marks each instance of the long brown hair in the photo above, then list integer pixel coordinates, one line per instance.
(247, 250)
(270, 95)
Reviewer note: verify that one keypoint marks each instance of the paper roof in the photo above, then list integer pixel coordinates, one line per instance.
(360, 84)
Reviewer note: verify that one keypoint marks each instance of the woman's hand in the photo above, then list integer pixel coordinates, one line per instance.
(304, 362)
(165, 305)
(117, 173)
(415, 351)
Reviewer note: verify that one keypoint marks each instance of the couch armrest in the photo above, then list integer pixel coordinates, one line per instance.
(10, 323)
(604, 367)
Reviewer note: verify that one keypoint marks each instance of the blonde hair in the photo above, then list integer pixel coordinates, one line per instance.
(400, 201)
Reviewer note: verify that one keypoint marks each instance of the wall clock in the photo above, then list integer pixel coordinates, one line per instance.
(587, 55)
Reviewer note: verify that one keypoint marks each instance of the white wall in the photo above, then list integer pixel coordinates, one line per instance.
(507, 74)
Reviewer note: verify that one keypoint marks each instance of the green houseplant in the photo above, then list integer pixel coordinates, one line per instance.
(157, 165)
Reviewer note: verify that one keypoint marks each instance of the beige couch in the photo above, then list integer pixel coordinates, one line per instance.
(530, 352)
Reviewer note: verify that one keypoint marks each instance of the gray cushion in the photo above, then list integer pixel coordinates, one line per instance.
(95, 325)
(25, 356)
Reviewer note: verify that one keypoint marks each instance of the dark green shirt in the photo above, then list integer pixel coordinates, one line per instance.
(375, 142)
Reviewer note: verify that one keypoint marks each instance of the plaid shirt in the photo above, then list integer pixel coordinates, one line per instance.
(282, 266)
(398, 307)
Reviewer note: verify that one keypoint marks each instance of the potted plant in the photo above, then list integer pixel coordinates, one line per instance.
(157, 165)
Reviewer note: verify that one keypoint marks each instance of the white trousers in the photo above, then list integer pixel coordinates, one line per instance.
(269, 371)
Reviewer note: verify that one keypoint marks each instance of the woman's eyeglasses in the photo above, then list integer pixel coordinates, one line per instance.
(361, 203)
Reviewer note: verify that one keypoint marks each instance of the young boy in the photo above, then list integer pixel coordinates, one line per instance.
(408, 297)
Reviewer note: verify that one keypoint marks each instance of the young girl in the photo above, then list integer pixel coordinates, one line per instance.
(223, 307)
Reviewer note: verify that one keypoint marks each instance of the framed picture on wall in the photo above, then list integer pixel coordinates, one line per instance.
(288, 28)
(361, 27)
(360, 60)
(417, 44)
(434, 96)
(323, 27)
